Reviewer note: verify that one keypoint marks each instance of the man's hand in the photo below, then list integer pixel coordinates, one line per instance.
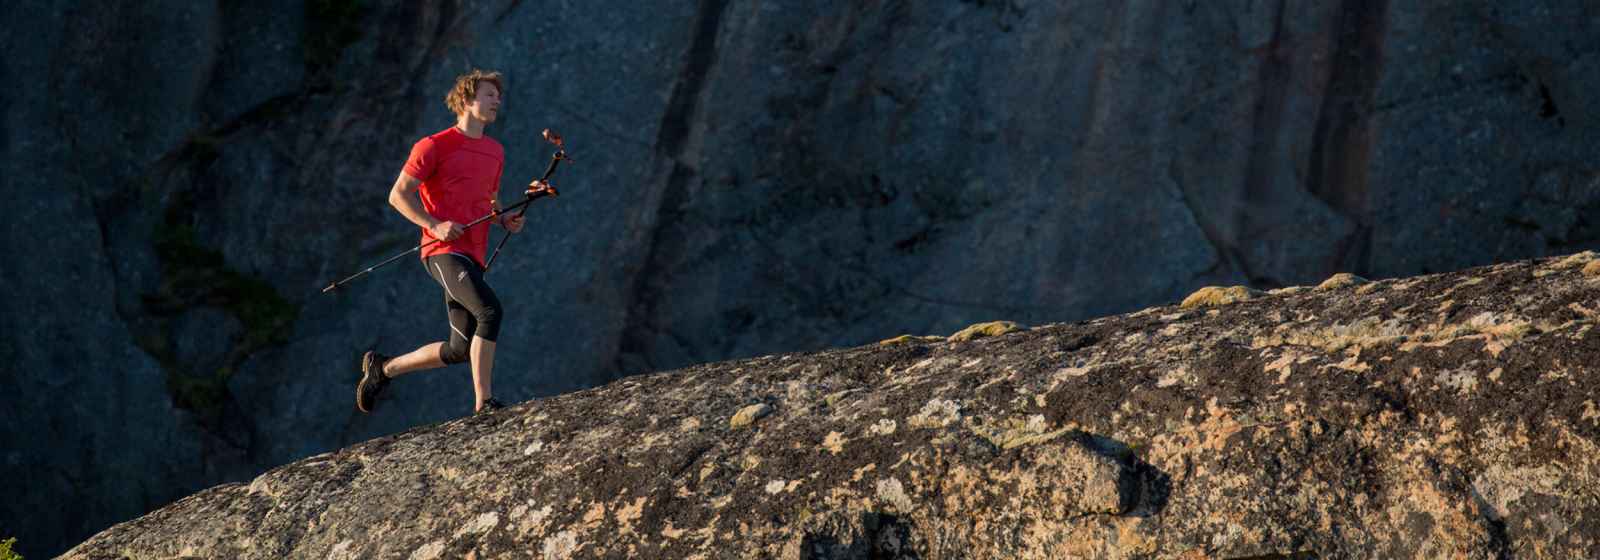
(512, 222)
(445, 231)
(538, 186)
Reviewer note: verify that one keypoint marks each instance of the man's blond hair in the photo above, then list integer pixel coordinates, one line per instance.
(466, 89)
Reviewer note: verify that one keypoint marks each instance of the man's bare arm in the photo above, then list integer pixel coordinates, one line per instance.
(404, 198)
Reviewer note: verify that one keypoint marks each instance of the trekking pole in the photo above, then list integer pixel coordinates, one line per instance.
(531, 197)
(531, 193)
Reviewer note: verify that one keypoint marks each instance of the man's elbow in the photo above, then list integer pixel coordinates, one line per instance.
(397, 195)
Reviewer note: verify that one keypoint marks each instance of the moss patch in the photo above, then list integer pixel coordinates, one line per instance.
(909, 338)
(1341, 280)
(992, 328)
(1212, 296)
(196, 276)
(203, 395)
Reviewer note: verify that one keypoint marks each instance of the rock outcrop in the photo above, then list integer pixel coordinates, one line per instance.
(752, 178)
(1444, 416)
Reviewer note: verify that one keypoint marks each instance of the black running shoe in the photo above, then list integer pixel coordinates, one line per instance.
(489, 405)
(372, 380)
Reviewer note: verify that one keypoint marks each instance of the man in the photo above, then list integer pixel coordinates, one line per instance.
(452, 178)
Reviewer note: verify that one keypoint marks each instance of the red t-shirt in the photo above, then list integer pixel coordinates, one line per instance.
(460, 181)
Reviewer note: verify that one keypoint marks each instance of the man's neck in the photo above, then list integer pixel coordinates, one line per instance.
(471, 127)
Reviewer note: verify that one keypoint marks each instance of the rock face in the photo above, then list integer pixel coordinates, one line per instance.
(1443, 416)
(752, 178)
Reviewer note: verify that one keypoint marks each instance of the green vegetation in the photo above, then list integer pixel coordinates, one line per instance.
(205, 396)
(910, 338)
(194, 275)
(5, 550)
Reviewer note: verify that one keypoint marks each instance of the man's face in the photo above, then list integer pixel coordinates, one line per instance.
(485, 106)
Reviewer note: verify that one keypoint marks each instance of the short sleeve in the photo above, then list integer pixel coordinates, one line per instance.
(424, 159)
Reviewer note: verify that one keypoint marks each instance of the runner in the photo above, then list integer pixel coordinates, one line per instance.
(451, 178)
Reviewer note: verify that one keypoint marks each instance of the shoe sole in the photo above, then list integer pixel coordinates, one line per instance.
(366, 377)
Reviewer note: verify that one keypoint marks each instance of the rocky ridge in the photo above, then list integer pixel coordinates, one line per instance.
(1449, 415)
(752, 178)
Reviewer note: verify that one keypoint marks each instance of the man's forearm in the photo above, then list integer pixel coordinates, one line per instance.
(410, 206)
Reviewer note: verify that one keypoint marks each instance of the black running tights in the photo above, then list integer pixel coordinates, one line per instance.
(472, 307)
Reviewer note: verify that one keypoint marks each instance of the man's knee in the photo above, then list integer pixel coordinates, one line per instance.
(488, 318)
(488, 314)
(455, 351)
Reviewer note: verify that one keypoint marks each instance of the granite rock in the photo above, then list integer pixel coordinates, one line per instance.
(1459, 422)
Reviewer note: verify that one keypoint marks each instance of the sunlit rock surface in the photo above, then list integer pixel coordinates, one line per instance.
(1443, 416)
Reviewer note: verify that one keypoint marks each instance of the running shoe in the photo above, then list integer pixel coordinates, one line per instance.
(489, 405)
(372, 382)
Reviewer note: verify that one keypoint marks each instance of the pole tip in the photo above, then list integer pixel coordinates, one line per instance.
(330, 287)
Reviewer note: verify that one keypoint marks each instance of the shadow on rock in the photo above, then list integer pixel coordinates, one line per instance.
(886, 538)
(1142, 489)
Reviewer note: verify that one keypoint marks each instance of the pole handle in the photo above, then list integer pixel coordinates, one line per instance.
(532, 194)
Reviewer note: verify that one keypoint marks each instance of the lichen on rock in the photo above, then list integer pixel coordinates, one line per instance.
(1581, 261)
(1447, 415)
(749, 415)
